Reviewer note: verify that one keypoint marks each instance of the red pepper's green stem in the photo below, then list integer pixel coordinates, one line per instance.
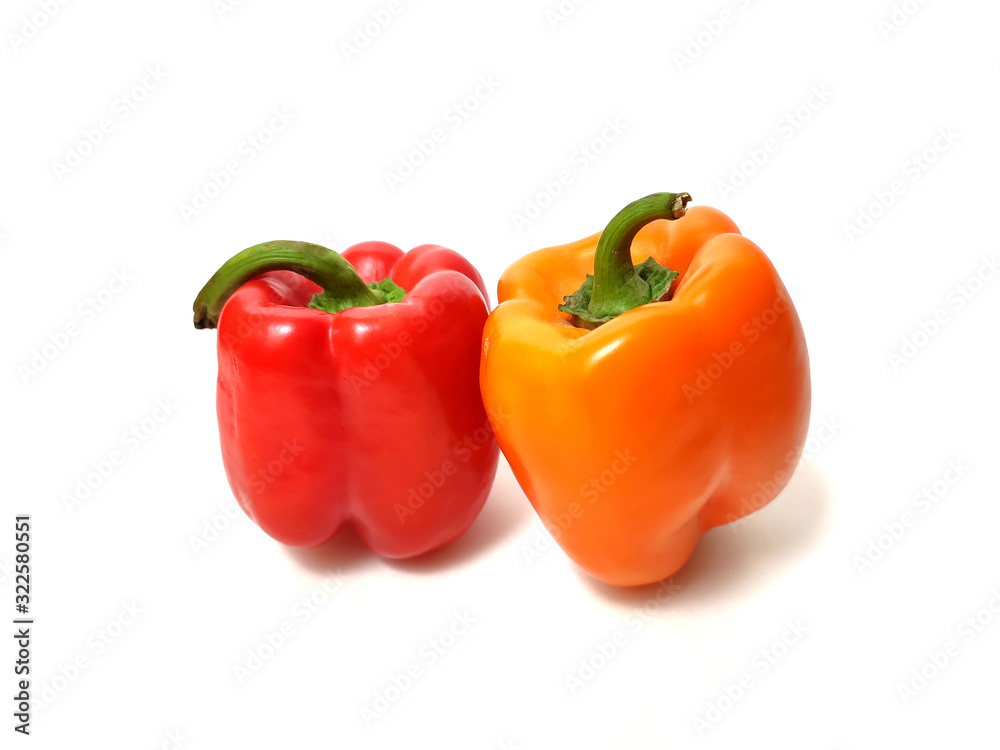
(617, 286)
(319, 264)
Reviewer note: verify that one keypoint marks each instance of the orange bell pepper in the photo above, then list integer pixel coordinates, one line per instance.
(657, 402)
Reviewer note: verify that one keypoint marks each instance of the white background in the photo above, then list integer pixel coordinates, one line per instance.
(892, 426)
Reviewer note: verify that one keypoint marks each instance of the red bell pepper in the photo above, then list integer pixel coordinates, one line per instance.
(351, 394)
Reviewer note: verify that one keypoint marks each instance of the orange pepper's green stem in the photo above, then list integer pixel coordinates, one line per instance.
(617, 285)
(338, 278)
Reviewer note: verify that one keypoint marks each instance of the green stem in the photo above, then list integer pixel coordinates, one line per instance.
(617, 286)
(319, 264)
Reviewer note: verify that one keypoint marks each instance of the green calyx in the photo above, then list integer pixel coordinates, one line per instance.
(656, 277)
(617, 285)
(342, 287)
(386, 290)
